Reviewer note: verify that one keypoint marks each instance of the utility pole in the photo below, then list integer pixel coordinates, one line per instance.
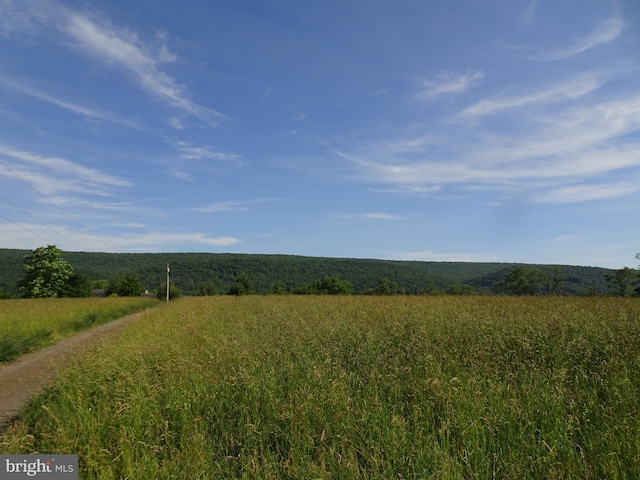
(167, 282)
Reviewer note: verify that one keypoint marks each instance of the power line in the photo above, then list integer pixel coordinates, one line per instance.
(24, 228)
(46, 226)
(54, 206)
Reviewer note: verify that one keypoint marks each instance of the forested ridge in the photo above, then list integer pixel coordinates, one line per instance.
(189, 270)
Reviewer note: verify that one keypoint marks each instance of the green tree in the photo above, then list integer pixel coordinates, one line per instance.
(174, 292)
(637, 289)
(552, 280)
(304, 289)
(77, 285)
(460, 289)
(334, 286)
(242, 286)
(205, 289)
(100, 284)
(434, 290)
(278, 288)
(326, 286)
(523, 281)
(621, 281)
(46, 273)
(386, 287)
(4, 295)
(126, 286)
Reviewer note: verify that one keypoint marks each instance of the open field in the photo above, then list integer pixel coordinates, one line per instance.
(353, 387)
(30, 324)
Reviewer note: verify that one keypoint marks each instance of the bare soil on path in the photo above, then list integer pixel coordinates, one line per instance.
(32, 373)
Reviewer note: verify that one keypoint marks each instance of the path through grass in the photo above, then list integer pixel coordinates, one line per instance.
(30, 324)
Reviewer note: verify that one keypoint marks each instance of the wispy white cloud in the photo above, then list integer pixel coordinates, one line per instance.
(176, 123)
(164, 239)
(447, 83)
(607, 31)
(192, 152)
(269, 234)
(571, 89)
(528, 15)
(550, 154)
(369, 216)
(180, 174)
(121, 48)
(296, 115)
(301, 117)
(587, 192)
(414, 190)
(474, 169)
(88, 207)
(567, 239)
(29, 236)
(588, 130)
(127, 225)
(408, 144)
(51, 175)
(91, 113)
(232, 206)
(20, 17)
(379, 92)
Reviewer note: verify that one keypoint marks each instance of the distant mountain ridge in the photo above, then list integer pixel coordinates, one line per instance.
(188, 270)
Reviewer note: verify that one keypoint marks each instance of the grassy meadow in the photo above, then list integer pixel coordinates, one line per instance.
(353, 387)
(30, 324)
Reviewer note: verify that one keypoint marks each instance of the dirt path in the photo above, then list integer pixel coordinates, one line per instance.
(32, 373)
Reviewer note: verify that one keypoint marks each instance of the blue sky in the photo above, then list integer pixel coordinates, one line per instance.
(411, 130)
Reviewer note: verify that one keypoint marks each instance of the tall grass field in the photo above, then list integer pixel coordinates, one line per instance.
(353, 387)
(30, 324)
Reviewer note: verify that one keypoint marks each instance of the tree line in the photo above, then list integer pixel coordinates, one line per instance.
(46, 274)
(525, 280)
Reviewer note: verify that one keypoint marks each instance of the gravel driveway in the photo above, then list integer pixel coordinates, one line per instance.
(32, 373)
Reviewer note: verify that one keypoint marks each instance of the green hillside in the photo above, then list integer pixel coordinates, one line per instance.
(188, 270)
